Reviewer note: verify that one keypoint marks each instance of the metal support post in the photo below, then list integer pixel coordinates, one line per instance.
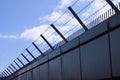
(20, 61)
(78, 19)
(7, 72)
(11, 69)
(113, 6)
(17, 64)
(14, 67)
(30, 53)
(3, 74)
(25, 58)
(59, 32)
(37, 48)
(47, 42)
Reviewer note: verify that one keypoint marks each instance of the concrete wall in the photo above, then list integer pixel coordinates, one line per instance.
(93, 55)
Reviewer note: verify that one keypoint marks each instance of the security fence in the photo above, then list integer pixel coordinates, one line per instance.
(72, 23)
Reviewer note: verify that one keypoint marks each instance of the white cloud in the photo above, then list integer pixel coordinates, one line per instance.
(33, 33)
(53, 16)
(8, 36)
(64, 3)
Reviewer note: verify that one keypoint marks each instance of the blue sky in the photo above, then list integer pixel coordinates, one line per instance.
(15, 17)
(22, 21)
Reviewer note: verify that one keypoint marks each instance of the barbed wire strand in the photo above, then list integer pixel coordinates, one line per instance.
(85, 7)
(95, 12)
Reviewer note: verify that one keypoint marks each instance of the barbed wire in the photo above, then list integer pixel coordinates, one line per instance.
(75, 3)
(96, 12)
(85, 7)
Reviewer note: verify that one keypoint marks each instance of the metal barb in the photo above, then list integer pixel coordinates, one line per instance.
(113, 6)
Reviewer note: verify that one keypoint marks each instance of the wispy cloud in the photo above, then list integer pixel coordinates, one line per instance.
(33, 33)
(53, 16)
(8, 36)
(64, 3)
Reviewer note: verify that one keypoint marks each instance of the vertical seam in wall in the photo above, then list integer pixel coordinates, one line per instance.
(80, 60)
(61, 64)
(32, 74)
(48, 67)
(26, 75)
(39, 72)
(109, 44)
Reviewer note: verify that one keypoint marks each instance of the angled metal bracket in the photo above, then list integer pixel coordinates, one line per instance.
(17, 64)
(14, 67)
(58, 32)
(4, 75)
(47, 42)
(11, 69)
(113, 6)
(37, 48)
(25, 58)
(78, 19)
(30, 53)
(7, 72)
(20, 61)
